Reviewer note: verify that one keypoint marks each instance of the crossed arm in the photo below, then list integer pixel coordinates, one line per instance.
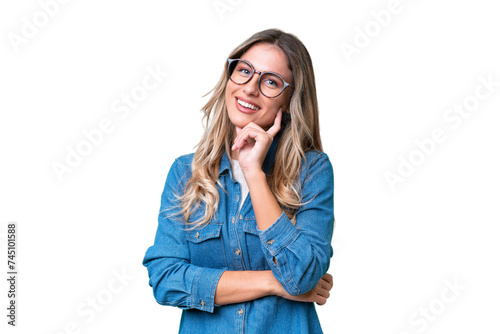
(298, 258)
(298, 255)
(241, 286)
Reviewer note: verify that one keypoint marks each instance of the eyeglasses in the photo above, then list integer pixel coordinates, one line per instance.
(270, 84)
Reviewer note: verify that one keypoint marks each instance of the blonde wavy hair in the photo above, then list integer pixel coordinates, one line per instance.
(299, 133)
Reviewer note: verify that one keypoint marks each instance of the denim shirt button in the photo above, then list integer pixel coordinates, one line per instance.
(241, 217)
(240, 311)
(270, 242)
(197, 235)
(238, 252)
(202, 303)
(232, 220)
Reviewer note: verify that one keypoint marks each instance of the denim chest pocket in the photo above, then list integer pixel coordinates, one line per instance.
(253, 245)
(205, 246)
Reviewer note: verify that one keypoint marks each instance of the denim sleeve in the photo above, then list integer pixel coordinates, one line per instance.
(174, 280)
(303, 251)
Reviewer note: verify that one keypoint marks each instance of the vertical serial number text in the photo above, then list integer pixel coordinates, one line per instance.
(11, 273)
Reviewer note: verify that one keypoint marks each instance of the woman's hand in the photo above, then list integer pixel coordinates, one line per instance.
(318, 295)
(253, 143)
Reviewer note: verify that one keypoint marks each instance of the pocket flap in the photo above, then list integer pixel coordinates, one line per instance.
(250, 226)
(210, 231)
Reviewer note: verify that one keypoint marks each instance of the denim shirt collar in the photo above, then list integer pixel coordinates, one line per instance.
(225, 164)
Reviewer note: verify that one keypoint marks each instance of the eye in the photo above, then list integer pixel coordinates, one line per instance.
(243, 69)
(271, 82)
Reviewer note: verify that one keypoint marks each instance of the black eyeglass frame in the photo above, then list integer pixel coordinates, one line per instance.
(229, 61)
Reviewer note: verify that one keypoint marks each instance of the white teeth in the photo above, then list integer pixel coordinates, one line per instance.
(247, 105)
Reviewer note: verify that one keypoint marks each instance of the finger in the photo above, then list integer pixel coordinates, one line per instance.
(252, 133)
(254, 126)
(239, 133)
(323, 293)
(238, 130)
(320, 300)
(323, 288)
(326, 284)
(273, 130)
(244, 136)
(329, 278)
(237, 139)
(247, 135)
(243, 131)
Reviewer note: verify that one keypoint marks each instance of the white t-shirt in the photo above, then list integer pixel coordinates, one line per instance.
(238, 175)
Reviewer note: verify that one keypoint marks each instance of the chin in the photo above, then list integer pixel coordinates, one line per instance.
(237, 117)
(240, 122)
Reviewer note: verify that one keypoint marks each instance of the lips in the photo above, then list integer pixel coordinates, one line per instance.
(246, 106)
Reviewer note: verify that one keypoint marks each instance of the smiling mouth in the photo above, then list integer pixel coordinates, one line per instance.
(247, 105)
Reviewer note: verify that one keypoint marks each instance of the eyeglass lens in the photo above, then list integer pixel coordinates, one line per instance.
(241, 72)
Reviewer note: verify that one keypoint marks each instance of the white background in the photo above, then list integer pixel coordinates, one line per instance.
(395, 248)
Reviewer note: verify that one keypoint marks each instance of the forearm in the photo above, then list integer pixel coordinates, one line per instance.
(299, 253)
(265, 206)
(242, 286)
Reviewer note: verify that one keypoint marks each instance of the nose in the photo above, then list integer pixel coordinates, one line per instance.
(252, 86)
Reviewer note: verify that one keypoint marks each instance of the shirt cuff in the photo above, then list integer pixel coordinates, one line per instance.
(281, 233)
(204, 286)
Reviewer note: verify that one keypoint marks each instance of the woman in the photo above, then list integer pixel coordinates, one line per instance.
(245, 226)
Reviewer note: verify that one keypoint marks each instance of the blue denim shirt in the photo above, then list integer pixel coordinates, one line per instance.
(184, 266)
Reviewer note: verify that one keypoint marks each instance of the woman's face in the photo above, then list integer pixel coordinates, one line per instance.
(264, 58)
